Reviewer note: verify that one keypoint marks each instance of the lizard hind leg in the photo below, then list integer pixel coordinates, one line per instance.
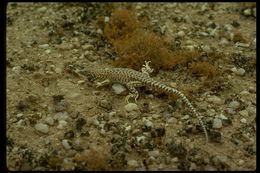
(133, 92)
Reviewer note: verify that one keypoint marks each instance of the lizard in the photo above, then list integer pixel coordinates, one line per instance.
(132, 79)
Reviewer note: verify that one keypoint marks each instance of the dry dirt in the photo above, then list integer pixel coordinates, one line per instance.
(85, 128)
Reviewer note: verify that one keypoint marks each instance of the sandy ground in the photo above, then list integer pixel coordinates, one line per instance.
(56, 121)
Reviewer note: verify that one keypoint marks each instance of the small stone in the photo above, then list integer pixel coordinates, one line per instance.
(154, 153)
(43, 128)
(131, 107)
(181, 34)
(65, 46)
(19, 115)
(47, 51)
(243, 120)
(234, 104)
(186, 117)
(247, 12)
(118, 88)
(148, 123)
(106, 19)
(42, 9)
(244, 93)
(216, 100)
(58, 70)
(240, 72)
(241, 162)
(132, 163)
(252, 89)
(88, 47)
(61, 116)
(217, 123)
(223, 41)
(43, 46)
(105, 104)
(66, 144)
(244, 45)
(223, 117)
(155, 116)
(17, 69)
(62, 124)
(172, 120)
(243, 113)
(49, 120)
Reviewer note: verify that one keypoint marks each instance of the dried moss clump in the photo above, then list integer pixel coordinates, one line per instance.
(204, 69)
(134, 44)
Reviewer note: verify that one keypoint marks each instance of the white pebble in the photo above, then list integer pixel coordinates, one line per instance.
(47, 51)
(217, 123)
(181, 34)
(154, 153)
(148, 123)
(223, 41)
(155, 116)
(241, 162)
(131, 107)
(61, 116)
(19, 115)
(243, 120)
(223, 117)
(62, 124)
(244, 45)
(172, 120)
(240, 72)
(247, 12)
(106, 19)
(118, 88)
(42, 9)
(186, 117)
(49, 120)
(216, 100)
(58, 70)
(132, 163)
(43, 46)
(88, 47)
(244, 93)
(66, 144)
(44, 128)
(17, 69)
(243, 113)
(234, 104)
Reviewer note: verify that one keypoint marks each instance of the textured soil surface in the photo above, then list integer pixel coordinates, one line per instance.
(58, 121)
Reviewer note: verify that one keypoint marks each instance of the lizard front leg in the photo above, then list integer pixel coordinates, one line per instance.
(133, 92)
(146, 69)
(103, 83)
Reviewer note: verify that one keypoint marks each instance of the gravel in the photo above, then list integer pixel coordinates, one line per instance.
(118, 88)
(234, 104)
(66, 144)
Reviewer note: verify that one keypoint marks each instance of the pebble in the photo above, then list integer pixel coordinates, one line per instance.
(148, 123)
(47, 51)
(58, 70)
(43, 46)
(61, 116)
(154, 153)
(42, 9)
(66, 144)
(118, 88)
(62, 124)
(106, 19)
(105, 104)
(88, 47)
(240, 72)
(131, 107)
(241, 162)
(247, 12)
(19, 115)
(252, 89)
(243, 120)
(155, 116)
(223, 117)
(243, 113)
(181, 34)
(216, 100)
(65, 46)
(244, 45)
(234, 104)
(172, 120)
(17, 69)
(186, 117)
(217, 123)
(132, 163)
(49, 120)
(244, 93)
(43, 128)
(223, 41)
